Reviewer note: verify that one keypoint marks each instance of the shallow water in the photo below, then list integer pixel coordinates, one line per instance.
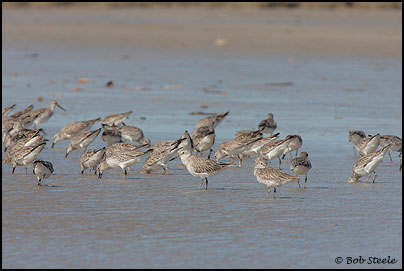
(159, 221)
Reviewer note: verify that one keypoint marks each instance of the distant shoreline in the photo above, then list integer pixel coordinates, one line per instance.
(322, 5)
(239, 31)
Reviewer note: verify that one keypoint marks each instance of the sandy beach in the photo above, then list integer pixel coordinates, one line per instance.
(323, 32)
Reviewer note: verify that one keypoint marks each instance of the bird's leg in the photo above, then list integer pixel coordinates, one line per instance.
(296, 153)
(26, 170)
(200, 187)
(370, 174)
(274, 192)
(298, 181)
(39, 181)
(291, 156)
(269, 191)
(353, 146)
(13, 170)
(391, 160)
(280, 163)
(168, 171)
(305, 181)
(375, 176)
(206, 183)
(240, 161)
(210, 152)
(283, 156)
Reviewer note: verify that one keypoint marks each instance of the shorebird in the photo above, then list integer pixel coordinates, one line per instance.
(44, 114)
(122, 147)
(275, 149)
(211, 121)
(9, 122)
(82, 141)
(91, 158)
(28, 118)
(11, 137)
(268, 125)
(20, 141)
(26, 155)
(116, 119)
(204, 139)
(130, 133)
(368, 164)
(122, 160)
(256, 147)
(42, 170)
(234, 147)
(301, 166)
(201, 167)
(160, 156)
(111, 136)
(186, 142)
(394, 140)
(73, 128)
(18, 114)
(355, 137)
(368, 145)
(7, 110)
(248, 134)
(6, 125)
(271, 177)
(294, 144)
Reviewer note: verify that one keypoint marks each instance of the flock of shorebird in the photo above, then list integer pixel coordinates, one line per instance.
(24, 145)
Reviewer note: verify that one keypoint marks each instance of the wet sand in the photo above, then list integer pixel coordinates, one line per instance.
(318, 86)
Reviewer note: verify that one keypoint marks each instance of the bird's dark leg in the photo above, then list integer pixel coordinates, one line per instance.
(206, 183)
(375, 176)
